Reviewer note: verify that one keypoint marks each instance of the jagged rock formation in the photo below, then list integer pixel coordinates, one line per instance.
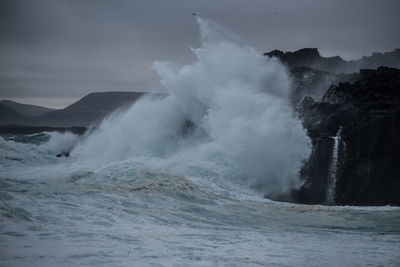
(313, 74)
(363, 120)
(310, 57)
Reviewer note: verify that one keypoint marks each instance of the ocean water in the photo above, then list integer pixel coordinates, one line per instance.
(136, 212)
(180, 181)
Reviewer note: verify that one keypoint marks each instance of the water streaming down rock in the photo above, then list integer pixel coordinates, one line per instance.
(331, 190)
(237, 105)
(368, 170)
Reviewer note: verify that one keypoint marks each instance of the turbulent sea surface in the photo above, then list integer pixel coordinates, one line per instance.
(179, 181)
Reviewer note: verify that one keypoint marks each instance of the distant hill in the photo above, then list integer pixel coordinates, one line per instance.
(27, 110)
(103, 102)
(11, 116)
(310, 57)
(90, 109)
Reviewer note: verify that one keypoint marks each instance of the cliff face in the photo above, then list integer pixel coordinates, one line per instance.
(354, 124)
(355, 133)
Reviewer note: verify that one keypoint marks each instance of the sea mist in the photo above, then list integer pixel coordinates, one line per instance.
(229, 108)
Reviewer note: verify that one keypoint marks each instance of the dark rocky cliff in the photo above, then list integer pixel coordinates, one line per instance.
(313, 74)
(355, 133)
(310, 57)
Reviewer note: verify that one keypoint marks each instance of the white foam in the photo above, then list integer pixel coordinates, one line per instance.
(238, 101)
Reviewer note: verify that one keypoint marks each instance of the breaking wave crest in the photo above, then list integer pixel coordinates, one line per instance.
(228, 110)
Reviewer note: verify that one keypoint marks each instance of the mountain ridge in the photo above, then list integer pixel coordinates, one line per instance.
(88, 110)
(27, 109)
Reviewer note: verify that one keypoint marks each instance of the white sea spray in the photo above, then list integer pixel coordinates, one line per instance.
(234, 102)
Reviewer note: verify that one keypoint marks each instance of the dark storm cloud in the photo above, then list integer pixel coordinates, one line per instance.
(65, 49)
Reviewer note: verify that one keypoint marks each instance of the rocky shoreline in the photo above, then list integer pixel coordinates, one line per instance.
(355, 134)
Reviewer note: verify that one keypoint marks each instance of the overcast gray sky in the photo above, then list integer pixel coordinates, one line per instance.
(53, 52)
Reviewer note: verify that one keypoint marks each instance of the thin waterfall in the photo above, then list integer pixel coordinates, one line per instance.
(330, 193)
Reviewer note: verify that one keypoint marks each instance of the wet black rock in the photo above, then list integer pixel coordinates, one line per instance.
(309, 57)
(355, 134)
(63, 154)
